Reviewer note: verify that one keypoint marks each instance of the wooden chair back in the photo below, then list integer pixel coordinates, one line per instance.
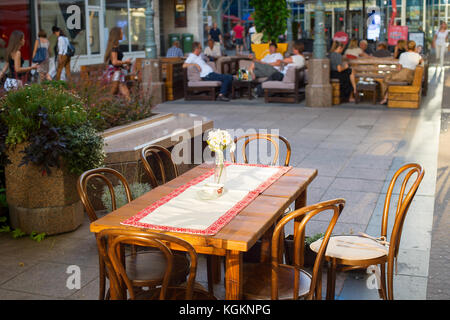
(304, 214)
(418, 77)
(112, 256)
(100, 173)
(272, 138)
(404, 201)
(156, 152)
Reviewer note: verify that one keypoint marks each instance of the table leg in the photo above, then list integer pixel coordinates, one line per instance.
(233, 92)
(375, 96)
(331, 279)
(233, 275)
(250, 96)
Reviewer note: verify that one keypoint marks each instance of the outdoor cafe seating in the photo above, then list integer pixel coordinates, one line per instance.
(171, 225)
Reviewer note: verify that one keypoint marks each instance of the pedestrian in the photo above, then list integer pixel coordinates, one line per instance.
(116, 71)
(207, 73)
(63, 57)
(408, 61)
(41, 55)
(341, 70)
(215, 34)
(175, 51)
(251, 32)
(17, 74)
(52, 50)
(440, 43)
(239, 36)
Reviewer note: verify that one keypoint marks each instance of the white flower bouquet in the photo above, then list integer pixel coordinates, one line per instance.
(218, 141)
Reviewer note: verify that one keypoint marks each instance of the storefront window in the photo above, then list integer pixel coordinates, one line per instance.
(116, 15)
(69, 16)
(94, 32)
(137, 27)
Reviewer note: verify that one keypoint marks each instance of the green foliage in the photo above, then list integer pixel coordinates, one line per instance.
(270, 18)
(37, 237)
(309, 240)
(17, 233)
(3, 203)
(137, 190)
(54, 123)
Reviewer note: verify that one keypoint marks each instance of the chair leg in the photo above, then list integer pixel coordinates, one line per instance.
(102, 280)
(213, 271)
(331, 279)
(382, 290)
(318, 293)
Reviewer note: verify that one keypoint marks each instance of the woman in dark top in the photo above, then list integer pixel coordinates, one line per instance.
(400, 48)
(17, 74)
(340, 70)
(116, 67)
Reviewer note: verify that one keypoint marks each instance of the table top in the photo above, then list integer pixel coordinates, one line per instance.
(244, 83)
(241, 233)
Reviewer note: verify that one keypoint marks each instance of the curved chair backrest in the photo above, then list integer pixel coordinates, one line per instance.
(100, 173)
(404, 201)
(112, 256)
(269, 137)
(155, 151)
(305, 214)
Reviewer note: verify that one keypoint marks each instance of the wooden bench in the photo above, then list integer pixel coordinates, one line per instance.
(172, 71)
(402, 95)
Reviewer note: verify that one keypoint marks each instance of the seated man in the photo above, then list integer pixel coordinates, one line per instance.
(212, 51)
(206, 72)
(382, 51)
(269, 65)
(364, 45)
(174, 50)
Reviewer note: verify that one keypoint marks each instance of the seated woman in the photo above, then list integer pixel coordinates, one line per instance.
(297, 59)
(408, 62)
(116, 67)
(400, 48)
(340, 70)
(354, 50)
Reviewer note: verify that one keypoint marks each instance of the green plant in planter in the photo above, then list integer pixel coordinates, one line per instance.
(137, 190)
(55, 126)
(270, 18)
(314, 238)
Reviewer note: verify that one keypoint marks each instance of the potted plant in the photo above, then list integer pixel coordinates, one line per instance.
(310, 256)
(271, 20)
(48, 141)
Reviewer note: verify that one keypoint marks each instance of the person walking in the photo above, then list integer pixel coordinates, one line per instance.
(440, 43)
(206, 72)
(63, 57)
(115, 72)
(52, 50)
(238, 32)
(41, 51)
(17, 74)
(408, 61)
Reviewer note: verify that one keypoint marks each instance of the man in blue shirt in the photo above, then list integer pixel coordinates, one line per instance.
(175, 50)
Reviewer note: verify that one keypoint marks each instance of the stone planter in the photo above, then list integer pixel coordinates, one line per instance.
(40, 203)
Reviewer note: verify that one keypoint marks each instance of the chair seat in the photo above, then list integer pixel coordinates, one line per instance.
(151, 265)
(176, 293)
(258, 277)
(398, 83)
(352, 248)
(196, 84)
(278, 85)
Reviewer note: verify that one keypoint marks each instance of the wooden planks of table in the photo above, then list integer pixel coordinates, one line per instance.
(240, 234)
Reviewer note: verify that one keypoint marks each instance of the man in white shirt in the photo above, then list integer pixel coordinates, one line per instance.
(268, 65)
(206, 72)
(212, 51)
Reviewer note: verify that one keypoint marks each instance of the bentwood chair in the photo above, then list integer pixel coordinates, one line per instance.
(361, 251)
(274, 280)
(162, 156)
(151, 263)
(123, 280)
(272, 138)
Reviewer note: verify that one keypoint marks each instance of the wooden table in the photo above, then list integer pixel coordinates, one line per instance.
(366, 87)
(236, 237)
(243, 85)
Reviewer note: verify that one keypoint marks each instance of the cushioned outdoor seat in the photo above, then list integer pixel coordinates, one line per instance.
(287, 90)
(202, 83)
(398, 83)
(278, 85)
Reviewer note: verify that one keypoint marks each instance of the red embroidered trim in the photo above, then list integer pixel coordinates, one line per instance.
(219, 223)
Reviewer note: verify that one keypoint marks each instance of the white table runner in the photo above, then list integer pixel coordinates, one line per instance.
(183, 211)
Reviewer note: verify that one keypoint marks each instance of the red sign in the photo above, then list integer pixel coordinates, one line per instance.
(396, 33)
(394, 12)
(341, 36)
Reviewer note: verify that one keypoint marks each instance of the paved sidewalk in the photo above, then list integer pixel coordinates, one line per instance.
(356, 149)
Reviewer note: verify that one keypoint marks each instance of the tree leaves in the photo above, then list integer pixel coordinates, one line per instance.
(270, 18)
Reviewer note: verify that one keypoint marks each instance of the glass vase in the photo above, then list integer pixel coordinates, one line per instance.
(220, 172)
